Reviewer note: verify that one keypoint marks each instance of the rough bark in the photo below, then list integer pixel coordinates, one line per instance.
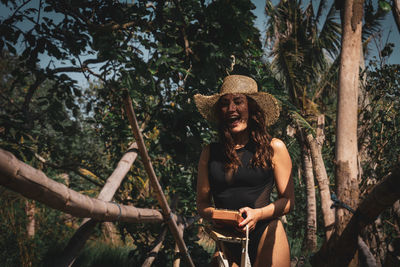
(310, 238)
(162, 201)
(323, 182)
(347, 114)
(34, 184)
(340, 249)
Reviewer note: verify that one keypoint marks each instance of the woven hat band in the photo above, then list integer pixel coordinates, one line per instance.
(238, 84)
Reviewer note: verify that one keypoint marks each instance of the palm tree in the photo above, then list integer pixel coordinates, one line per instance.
(305, 49)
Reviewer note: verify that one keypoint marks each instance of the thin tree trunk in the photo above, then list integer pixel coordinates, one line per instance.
(380, 237)
(177, 260)
(369, 259)
(111, 233)
(346, 134)
(396, 12)
(340, 250)
(323, 182)
(156, 248)
(30, 214)
(310, 238)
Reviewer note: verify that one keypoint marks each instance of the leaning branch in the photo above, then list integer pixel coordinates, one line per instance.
(153, 178)
(340, 250)
(156, 248)
(396, 12)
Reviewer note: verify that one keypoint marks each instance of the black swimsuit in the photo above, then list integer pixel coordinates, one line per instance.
(247, 187)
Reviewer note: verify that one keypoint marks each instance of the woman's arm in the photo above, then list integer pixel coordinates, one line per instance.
(282, 166)
(203, 186)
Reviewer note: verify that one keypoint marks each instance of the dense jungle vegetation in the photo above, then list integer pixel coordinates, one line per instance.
(163, 53)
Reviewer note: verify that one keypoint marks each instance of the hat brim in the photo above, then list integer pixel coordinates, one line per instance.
(207, 106)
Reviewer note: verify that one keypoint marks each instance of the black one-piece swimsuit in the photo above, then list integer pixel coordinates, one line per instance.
(247, 187)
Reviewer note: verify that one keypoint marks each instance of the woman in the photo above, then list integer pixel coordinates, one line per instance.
(239, 172)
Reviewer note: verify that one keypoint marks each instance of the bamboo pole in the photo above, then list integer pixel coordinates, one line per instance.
(153, 178)
(34, 184)
(156, 248)
(85, 230)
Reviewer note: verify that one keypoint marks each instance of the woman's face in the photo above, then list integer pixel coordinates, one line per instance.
(234, 112)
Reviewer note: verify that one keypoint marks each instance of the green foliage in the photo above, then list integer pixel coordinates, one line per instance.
(381, 120)
(300, 43)
(163, 53)
(51, 231)
(104, 255)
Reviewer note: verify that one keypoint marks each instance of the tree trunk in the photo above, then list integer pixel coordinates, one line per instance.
(396, 12)
(323, 182)
(310, 238)
(366, 254)
(156, 248)
(111, 234)
(30, 214)
(34, 184)
(346, 135)
(340, 249)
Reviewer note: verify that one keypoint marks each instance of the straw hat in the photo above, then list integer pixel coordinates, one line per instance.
(238, 84)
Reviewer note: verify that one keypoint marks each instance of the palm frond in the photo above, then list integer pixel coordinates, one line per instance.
(329, 36)
(321, 7)
(303, 123)
(327, 80)
(372, 20)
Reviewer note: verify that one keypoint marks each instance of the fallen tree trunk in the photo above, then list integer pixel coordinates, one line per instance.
(34, 184)
(339, 250)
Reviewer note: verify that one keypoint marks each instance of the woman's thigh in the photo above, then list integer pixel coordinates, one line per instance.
(273, 249)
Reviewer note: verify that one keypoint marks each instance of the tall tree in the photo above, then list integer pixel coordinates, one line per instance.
(299, 39)
(346, 148)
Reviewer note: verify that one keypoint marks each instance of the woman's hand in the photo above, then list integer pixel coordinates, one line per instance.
(251, 218)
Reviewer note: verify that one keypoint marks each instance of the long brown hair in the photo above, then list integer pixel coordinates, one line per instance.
(257, 133)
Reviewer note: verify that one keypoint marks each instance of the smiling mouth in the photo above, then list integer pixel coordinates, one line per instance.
(232, 121)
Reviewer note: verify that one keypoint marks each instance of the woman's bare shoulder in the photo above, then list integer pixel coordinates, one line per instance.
(277, 144)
